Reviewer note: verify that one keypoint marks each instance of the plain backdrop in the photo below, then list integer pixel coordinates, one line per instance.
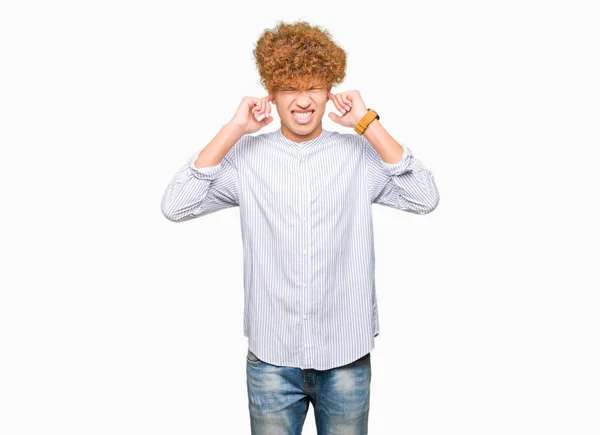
(114, 320)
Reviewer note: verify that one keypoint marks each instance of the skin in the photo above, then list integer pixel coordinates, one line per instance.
(254, 113)
(288, 99)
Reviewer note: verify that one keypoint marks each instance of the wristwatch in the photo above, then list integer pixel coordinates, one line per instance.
(362, 125)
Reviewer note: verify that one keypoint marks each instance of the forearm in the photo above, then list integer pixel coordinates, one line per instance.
(207, 182)
(213, 153)
(413, 189)
(396, 177)
(185, 196)
(385, 145)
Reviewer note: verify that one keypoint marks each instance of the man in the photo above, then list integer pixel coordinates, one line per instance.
(305, 196)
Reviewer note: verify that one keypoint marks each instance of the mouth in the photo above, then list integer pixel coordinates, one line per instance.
(303, 116)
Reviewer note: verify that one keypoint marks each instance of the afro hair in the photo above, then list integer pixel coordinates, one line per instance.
(298, 54)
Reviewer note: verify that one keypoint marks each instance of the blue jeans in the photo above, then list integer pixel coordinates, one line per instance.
(278, 397)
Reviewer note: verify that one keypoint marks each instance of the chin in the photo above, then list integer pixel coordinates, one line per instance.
(303, 130)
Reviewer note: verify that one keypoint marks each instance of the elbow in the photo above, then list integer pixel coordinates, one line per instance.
(170, 213)
(427, 202)
(172, 218)
(178, 214)
(173, 209)
(431, 204)
(169, 216)
(433, 196)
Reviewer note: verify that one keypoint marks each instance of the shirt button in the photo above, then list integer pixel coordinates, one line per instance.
(304, 283)
(305, 316)
(304, 252)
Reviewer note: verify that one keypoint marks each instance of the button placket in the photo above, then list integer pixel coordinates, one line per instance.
(305, 210)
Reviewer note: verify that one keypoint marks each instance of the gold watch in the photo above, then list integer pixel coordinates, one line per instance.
(362, 125)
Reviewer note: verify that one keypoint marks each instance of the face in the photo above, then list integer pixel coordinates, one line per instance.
(301, 111)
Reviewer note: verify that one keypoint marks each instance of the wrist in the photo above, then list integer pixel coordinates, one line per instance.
(360, 116)
(235, 129)
(363, 123)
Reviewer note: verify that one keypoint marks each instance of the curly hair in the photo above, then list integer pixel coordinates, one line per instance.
(297, 54)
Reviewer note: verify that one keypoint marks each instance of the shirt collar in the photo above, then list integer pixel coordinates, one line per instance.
(305, 144)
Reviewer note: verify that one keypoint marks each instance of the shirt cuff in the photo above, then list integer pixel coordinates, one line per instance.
(205, 173)
(402, 166)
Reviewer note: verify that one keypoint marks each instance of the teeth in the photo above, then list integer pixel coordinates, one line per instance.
(302, 115)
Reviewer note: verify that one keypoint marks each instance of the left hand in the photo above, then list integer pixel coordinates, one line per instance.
(351, 105)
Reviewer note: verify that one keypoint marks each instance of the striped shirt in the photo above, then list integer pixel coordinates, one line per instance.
(307, 237)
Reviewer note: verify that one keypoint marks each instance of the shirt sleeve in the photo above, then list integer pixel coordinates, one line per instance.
(195, 192)
(405, 185)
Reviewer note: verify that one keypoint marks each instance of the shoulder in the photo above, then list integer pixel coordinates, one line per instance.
(346, 140)
(355, 142)
(235, 151)
(258, 138)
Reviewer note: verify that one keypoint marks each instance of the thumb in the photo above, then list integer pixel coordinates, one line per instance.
(266, 121)
(335, 118)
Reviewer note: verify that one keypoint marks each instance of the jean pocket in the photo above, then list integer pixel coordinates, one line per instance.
(253, 359)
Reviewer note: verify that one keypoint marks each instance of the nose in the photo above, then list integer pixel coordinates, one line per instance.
(303, 100)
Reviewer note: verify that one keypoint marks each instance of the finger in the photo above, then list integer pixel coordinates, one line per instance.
(258, 108)
(340, 103)
(330, 96)
(266, 120)
(344, 101)
(335, 103)
(268, 108)
(335, 118)
(347, 102)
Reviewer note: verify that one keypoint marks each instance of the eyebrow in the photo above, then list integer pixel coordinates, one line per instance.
(291, 87)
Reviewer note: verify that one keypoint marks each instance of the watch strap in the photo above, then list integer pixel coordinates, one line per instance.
(362, 125)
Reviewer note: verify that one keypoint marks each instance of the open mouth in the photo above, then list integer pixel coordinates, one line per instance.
(303, 117)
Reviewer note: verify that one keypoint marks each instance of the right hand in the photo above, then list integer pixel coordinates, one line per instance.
(248, 110)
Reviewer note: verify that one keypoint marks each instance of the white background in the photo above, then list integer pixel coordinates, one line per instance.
(114, 320)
